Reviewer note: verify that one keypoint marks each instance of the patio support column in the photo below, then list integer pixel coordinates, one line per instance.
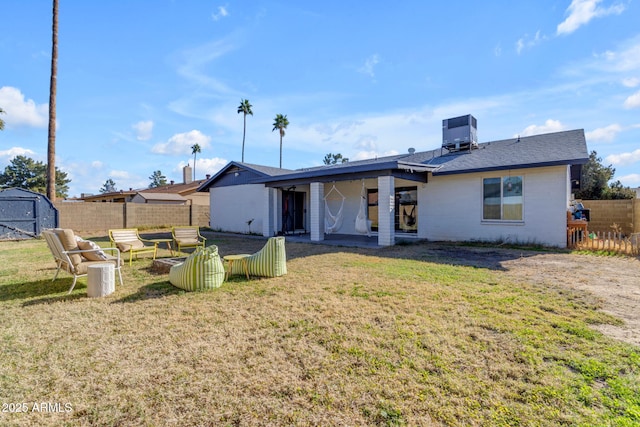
(386, 211)
(317, 211)
(269, 213)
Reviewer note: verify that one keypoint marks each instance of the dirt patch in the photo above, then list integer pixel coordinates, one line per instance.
(615, 281)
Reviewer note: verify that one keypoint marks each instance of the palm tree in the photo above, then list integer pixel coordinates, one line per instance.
(195, 149)
(51, 145)
(244, 107)
(281, 124)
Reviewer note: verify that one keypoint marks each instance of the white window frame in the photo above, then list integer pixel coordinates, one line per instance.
(503, 182)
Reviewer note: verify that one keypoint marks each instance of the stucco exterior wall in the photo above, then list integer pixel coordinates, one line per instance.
(232, 207)
(450, 208)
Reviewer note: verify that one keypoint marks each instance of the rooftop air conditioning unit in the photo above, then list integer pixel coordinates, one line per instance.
(460, 133)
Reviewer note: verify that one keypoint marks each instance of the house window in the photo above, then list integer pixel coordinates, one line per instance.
(502, 198)
(406, 209)
(406, 217)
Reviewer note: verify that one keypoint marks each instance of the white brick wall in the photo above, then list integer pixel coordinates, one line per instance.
(316, 211)
(386, 211)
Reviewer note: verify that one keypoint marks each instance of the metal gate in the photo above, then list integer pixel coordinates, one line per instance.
(24, 214)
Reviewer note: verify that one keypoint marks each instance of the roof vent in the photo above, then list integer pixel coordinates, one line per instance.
(460, 133)
(412, 150)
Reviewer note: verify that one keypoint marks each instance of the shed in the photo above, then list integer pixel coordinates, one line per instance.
(24, 214)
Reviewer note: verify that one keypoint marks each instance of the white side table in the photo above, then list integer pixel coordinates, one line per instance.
(101, 280)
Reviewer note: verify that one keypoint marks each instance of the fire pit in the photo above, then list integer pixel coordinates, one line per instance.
(163, 265)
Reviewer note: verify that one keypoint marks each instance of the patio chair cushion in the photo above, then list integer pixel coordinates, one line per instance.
(127, 246)
(91, 256)
(68, 240)
(201, 270)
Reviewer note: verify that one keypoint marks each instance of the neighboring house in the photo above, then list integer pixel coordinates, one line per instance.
(159, 198)
(111, 197)
(185, 193)
(515, 190)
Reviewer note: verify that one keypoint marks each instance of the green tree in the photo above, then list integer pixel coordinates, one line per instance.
(157, 179)
(51, 144)
(280, 122)
(1, 121)
(24, 172)
(595, 182)
(616, 190)
(244, 107)
(332, 159)
(195, 149)
(109, 186)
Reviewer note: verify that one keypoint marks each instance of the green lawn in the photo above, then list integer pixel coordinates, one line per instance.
(348, 337)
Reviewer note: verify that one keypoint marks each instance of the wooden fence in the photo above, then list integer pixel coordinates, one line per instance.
(604, 241)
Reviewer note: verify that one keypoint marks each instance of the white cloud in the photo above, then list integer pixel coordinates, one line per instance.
(97, 164)
(221, 13)
(195, 62)
(181, 143)
(497, 51)
(526, 42)
(144, 130)
(631, 82)
(21, 112)
(369, 65)
(581, 12)
(624, 158)
(631, 180)
(16, 151)
(606, 134)
(632, 101)
(205, 166)
(548, 127)
(116, 174)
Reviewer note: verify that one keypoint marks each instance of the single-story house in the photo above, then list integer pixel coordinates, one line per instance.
(516, 190)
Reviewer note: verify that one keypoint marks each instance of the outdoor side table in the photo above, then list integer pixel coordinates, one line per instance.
(166, 242)
(230, 259)
(101, 279)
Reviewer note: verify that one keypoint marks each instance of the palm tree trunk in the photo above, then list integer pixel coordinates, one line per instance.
(281, 150)
(244, 132)
(51, 144)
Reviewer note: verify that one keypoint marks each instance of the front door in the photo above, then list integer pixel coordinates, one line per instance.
(293, 211)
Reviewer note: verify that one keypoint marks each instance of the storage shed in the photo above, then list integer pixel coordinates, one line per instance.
(24, 214)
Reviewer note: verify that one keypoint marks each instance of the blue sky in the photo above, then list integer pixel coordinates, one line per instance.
(140, 81)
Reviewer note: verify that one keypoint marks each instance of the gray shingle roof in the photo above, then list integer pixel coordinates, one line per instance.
(560, 148)
(549, 149)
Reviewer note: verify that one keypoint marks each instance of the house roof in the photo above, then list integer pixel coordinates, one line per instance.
(255, 173)
(165, 197)
(560, 148)
(182, 189)
(551, 149)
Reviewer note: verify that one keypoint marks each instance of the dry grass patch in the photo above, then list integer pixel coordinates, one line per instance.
(348, 337)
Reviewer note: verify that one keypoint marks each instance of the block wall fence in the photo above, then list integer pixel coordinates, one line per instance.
(605, 213)
(90, 217)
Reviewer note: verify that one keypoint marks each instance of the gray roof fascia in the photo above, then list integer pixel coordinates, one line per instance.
(345, 172)
(258, 170)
